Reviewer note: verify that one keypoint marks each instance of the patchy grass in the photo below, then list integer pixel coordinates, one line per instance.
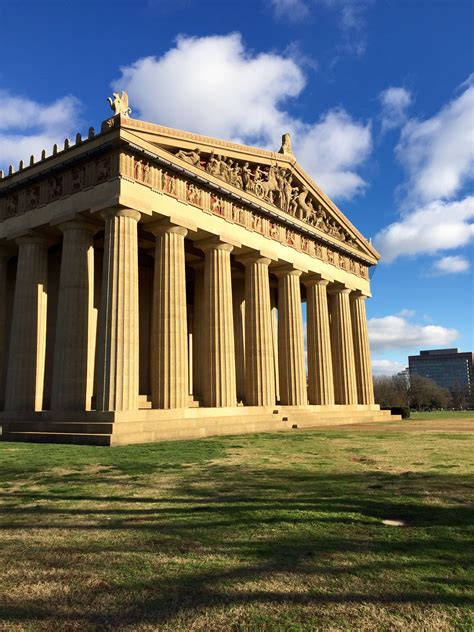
(449, 415)
(266, 532)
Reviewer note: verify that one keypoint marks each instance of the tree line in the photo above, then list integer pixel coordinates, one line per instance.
(419, 393)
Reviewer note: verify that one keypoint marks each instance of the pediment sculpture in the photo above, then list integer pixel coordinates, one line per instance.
(272, 183)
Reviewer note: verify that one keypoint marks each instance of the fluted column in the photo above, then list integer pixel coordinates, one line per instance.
(26, 360)
(74, 346)
(365, 386)
(259, 367)
(169, 354)
(276, 374)
(320, 373)
(199, 329)
(238, 304)
(117, 336)
(219, 388)
(4, 254)
(342, 346)
(293, 390)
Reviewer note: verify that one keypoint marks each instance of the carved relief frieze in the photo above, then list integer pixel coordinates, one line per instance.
(33, 196)
(271, 183)
(78, 178)
(103, 168)
(55, 187)
(295, 199)
(58, 185)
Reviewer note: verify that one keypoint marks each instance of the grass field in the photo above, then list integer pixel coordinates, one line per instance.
(268, 532)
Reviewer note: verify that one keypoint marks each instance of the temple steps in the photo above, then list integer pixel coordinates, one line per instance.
(147, 429)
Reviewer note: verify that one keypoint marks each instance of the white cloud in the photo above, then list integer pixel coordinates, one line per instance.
(438, 153)
(406, 313)
(350, 14)
(293, 9)
(27, 127)
(211, 85)
(450, 265)
(214, 86)
(431, 228)
(395, 332)
(386, 367)
(395, 102)
(332, 149)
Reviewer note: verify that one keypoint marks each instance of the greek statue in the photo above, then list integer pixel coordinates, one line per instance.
(285, 148)
(119, 104)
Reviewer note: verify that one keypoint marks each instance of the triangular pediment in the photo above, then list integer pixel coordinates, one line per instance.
(272, 178)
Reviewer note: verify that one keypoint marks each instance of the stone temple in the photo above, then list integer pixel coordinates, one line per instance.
(151, 287)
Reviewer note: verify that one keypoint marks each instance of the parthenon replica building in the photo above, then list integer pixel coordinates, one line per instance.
(151, 287)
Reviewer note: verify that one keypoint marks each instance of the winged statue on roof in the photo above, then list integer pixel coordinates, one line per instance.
(119, 103)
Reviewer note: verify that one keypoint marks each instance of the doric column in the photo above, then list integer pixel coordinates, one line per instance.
(342, 346)
(26, 361)
(199, 329)
(117, 336)
(238, 304)
(320, 374)
(169, 356)
(219, 387)
(74, 346)
(293, 390)
(4, 255)
(259, 367)
(365, 386)
(276, 375)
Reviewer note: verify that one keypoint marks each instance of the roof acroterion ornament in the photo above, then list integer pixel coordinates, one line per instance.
(285, 148)
(119, 104)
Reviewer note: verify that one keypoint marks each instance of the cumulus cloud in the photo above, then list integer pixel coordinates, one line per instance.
(429, 229)
(438, 156)
(438, 153)
(450, 265)
(331, 150)
(396, 332)
(386, 367)
(27, 126)
(394, 101)
(214, 86)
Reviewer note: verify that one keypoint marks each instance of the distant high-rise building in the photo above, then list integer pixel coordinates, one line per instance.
(446, 367)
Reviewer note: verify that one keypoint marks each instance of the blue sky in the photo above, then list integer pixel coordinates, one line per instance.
(378, 95)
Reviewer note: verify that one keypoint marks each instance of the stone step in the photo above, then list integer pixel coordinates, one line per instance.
(166, 429)
(58, 437)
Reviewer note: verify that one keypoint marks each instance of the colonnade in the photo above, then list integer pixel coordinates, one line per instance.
(234, 337)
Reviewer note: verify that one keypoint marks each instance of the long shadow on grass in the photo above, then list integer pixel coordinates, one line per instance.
(299, 525)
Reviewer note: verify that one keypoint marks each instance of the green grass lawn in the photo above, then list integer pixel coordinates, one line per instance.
(268, 532)
(444, 414)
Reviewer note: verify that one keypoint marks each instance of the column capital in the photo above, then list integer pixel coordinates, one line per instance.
(359, 294)
(162, 226)
(315, 278)
(286, 269)
(339, 288)
(32, 237)
(254, 257)
(79, 224)
(214, 243)
(120, 212)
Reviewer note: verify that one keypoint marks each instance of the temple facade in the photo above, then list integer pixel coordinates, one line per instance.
(152, 284)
